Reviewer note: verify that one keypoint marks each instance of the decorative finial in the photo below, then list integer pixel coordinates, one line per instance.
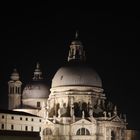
(104, 113)
(109, 114)
(54, 119)
(37, 65)
(124, 115)
(115, 110)
(76, 35)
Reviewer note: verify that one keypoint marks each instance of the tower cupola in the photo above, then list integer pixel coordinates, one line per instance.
(15, 75)
(76, 51)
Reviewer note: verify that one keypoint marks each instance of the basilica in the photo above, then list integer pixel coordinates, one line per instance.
(75, 107)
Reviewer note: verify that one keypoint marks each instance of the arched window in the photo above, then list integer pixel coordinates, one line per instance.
(83, 131)
(47, 131)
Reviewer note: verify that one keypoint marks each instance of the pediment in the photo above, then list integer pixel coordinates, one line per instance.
(48, 122)
(82, 121)
(116, 119)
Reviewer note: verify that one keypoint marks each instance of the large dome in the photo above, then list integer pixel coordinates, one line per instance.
(35, 89)
(76, 72)
(76, 75)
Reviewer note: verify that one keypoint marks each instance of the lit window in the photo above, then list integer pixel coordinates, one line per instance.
(83, 131)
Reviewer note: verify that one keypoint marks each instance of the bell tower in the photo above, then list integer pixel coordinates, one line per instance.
(14, 91)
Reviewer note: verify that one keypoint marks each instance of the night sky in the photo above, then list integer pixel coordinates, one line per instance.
(34, 33)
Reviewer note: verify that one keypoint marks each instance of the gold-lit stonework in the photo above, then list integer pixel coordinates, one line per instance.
(74, 108)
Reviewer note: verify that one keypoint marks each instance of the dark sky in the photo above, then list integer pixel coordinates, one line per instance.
(31, 33)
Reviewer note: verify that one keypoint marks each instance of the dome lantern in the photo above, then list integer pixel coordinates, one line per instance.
(76, 51)
(37, 88)
(37, 73)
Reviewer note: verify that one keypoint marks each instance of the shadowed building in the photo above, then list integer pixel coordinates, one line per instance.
(18, 135)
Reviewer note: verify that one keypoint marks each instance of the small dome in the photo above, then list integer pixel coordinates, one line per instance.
(76, 75)
(36, 89)
(15, 75)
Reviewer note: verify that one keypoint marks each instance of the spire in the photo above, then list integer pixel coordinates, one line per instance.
(76, 51)
(37, 73)
(38, 65)
(124, 115)
(76, 35)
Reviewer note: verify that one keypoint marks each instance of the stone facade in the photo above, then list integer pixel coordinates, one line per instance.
(74, 108)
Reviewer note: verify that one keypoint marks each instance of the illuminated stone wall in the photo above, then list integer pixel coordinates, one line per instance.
(19, 122)
(132, 135)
